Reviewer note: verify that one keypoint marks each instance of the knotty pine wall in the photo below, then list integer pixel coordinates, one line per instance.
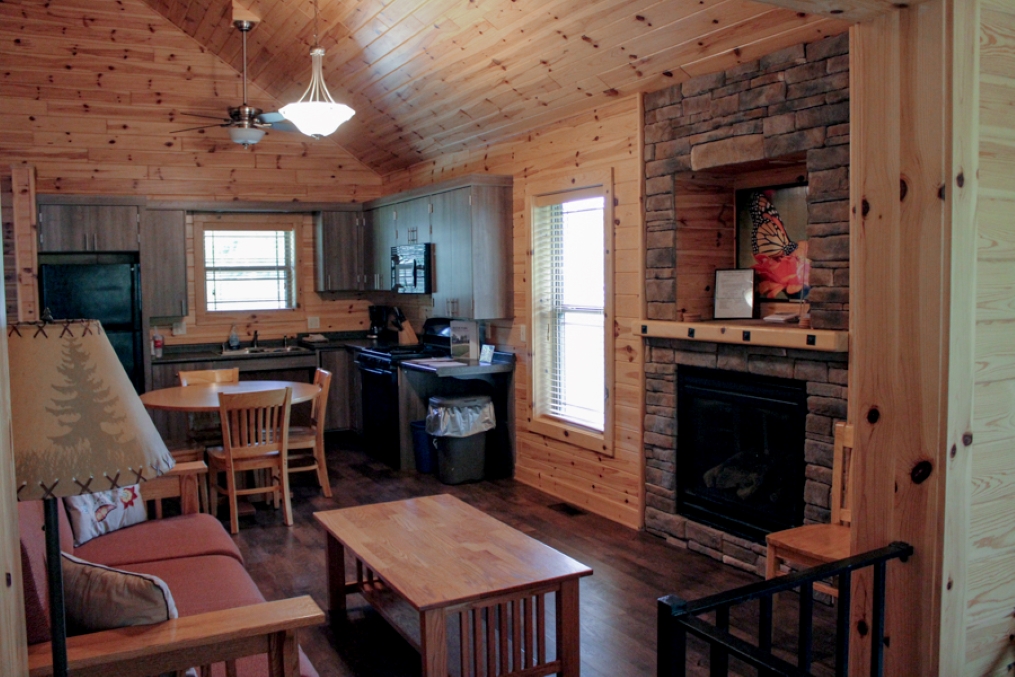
(990, 494)
(606, 137)
(92, 93)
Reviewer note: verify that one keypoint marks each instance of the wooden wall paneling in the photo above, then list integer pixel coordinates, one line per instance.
(26, 242)
(901, 281)
(852, 10)
(13, 638)
(9, 243)
(607, 137)
(705, 238)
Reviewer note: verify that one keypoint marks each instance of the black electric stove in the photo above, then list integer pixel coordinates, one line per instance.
(378, 367)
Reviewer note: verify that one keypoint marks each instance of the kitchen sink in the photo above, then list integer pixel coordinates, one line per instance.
(274, 350)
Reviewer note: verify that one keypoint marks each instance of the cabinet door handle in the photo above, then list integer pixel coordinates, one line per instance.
(95, 241)
(86, 241)
(329, 280)
(183, 307)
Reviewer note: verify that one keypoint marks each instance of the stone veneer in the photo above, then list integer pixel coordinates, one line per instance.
(826, 378)
(793, 103)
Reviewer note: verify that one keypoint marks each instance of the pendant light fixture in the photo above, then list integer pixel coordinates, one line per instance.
(316, 114)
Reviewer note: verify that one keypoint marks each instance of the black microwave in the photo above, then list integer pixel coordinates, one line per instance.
(412, 268)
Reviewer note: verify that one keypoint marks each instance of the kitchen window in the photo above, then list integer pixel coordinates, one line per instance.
(243, 265)
(570, 305)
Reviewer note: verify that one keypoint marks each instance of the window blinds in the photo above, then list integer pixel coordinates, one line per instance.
(569, 295)
(250, 270)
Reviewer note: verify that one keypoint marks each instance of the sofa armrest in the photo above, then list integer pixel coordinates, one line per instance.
(144, 650)
(180, 482)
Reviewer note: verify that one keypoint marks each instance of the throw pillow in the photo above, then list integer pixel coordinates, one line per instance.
(101, 598)
(92, 515)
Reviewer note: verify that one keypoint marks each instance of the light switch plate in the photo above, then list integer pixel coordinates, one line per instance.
(313, 323)
(180, 328)
(521, 330)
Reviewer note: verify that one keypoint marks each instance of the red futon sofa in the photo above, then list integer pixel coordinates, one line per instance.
(223, 615)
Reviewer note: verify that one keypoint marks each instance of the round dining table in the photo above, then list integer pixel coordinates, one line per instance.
(202, 397)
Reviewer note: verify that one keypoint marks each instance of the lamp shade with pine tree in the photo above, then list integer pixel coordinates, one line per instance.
(78, 425)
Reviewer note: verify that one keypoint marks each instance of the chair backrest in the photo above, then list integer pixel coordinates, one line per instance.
(842, 474)
(255, 424)
(207, 376)
(320, 407)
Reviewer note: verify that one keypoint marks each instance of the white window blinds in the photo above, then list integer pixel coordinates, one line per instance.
(249, 270)
(569, 295)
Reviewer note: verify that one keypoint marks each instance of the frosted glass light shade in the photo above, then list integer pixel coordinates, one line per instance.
(317, 118)
(246, 135)
(78, 425)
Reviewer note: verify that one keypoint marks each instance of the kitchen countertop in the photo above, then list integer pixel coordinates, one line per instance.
(213, 353)
(503, 363)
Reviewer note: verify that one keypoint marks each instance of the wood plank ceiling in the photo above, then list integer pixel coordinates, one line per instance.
(427, 77)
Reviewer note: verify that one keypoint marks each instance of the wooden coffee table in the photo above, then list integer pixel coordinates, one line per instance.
(424, 562)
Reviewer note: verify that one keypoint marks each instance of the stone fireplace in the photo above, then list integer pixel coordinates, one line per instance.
(781, 119)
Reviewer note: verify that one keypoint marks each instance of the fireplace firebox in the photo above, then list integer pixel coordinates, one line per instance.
(740, 450)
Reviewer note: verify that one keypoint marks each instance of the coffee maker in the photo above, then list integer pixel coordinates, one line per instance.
(380, 324)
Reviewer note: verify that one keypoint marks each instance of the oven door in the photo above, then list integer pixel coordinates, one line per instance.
(380, 413)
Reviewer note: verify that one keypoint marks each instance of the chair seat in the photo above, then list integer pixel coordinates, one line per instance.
(302, 437)
(812, 543)
(219, 454)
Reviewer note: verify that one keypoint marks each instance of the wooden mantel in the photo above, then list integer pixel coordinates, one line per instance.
(749, 332)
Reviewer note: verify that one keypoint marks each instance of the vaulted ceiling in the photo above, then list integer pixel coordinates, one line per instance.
(428, 77)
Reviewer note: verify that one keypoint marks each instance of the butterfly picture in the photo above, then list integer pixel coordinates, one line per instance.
(772, 240)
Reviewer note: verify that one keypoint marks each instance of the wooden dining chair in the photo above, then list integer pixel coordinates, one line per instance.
(255, 436)
(203, 427)
(815, 544)
(309, 439)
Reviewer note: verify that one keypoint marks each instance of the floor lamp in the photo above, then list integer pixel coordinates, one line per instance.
(78, 428)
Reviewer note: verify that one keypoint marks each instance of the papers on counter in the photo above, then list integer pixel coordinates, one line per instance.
(437, 362)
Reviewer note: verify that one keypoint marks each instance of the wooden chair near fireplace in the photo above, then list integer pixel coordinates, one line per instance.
(815, 544)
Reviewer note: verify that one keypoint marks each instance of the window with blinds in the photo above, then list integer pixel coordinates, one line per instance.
(569, 298)
(249, 270)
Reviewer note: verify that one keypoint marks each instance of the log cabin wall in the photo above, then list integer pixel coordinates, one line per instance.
(605, 137)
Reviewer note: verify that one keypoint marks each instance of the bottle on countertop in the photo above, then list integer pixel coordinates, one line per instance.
(157, 343)
(234, 339)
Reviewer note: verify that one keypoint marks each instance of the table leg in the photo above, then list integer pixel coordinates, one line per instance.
(568, 629)
(336, 581)
(434, 638)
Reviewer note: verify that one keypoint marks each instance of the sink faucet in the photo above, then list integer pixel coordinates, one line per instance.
(253, 344)
(285, 341)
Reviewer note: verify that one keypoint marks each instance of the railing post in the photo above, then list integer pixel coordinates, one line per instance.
(765, 629)
(719, 658)
(805, 640)
(878, 621)
(842, 624)
(671, 640)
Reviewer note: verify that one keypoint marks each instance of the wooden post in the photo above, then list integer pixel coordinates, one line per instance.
(568, 629)
(434, 643)
(26, 242)
(336, 581)
(13, 639)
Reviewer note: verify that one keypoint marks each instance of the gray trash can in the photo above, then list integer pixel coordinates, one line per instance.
(459, 426)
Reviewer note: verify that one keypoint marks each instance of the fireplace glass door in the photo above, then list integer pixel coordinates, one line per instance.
(740, 450)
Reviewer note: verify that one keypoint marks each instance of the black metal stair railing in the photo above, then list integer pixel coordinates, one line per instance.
(678, 617)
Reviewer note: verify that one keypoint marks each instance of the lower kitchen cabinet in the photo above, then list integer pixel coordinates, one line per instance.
(345, 409)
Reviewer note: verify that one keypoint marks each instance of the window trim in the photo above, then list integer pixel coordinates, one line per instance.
(265, 222)
(540, 193)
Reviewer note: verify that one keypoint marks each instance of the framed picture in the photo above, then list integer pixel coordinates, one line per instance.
(735, 294)
(772, 240)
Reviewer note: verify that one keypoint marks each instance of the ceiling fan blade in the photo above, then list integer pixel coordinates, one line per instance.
(191, 129)
(272, 116)
(283, 126)
(201, 115)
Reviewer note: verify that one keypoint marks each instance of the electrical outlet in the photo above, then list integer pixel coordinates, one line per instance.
(313, 323)
(180, 328)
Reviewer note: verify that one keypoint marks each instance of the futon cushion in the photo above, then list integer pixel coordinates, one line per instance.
(31, 522)
(257, 666)
(193, 535)
(104, 512)
(102, 598)
(202, 584)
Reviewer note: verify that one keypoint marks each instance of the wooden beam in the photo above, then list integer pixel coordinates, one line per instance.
(26, 242)
(850, 10)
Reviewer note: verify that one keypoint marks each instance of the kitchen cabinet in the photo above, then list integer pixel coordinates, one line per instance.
(164, 263)
(345, 405)
(89, 227)
(340, 248)
(468, 220)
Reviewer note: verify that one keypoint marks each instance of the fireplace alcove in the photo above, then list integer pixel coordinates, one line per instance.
(740, 451)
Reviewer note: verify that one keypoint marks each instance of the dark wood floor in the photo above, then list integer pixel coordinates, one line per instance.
(618, 609)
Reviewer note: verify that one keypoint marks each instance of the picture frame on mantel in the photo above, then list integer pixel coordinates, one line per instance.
(772, 240)
(736, 294)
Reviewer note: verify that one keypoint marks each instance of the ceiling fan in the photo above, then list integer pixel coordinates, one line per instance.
(246, 124)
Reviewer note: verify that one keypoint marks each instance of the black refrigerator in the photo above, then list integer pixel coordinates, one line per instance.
(104, 287)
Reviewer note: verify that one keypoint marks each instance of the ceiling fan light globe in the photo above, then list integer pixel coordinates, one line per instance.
(317, 118)
(245, 136)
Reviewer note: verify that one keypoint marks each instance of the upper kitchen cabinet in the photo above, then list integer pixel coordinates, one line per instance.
(341, 252)
(468, 220)
(164, 263)
(69, 224)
